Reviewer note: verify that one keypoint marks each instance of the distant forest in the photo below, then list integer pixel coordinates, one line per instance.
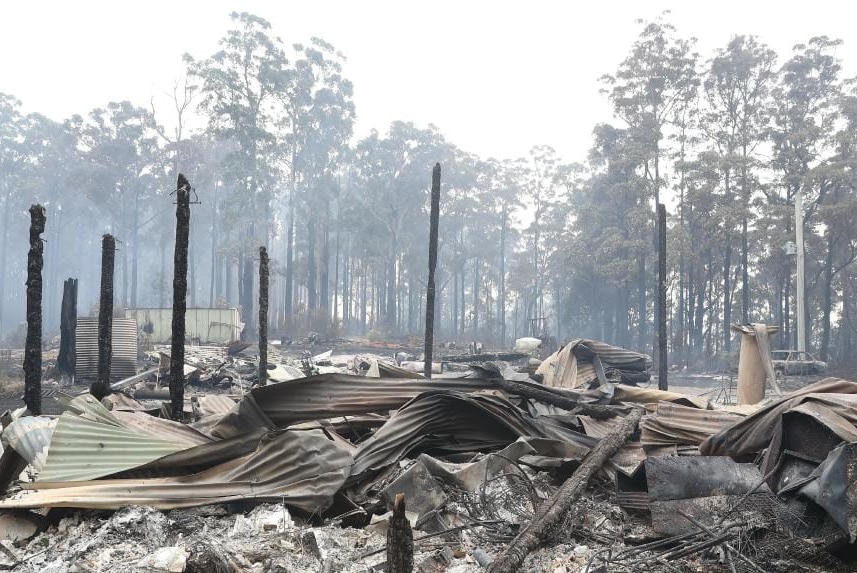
(532, 245)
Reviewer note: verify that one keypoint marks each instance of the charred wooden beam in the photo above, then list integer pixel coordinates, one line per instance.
(33, 345)
(430, 291)
(179, 298)
(101, 387)
(263, 316)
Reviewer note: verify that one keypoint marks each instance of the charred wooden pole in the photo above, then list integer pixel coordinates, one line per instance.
(552, 512)
(400, 539)
(101, 387)
(263, 316)
(662, 298)
(430, 291)
(33, 346)
(179, 297)
(68, 324)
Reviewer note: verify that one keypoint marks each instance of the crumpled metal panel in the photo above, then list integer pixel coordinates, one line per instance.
(834, 487)
(303, 468)
(578, 363)
(673, 424)
(754, 433)
(82, 449)
(704, 488)
(332, 395)
(456, 422)
(30, 436)
(91, 442)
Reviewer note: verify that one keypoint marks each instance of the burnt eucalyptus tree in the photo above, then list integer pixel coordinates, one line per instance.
(736, 88)
(658, 77)
(120, 160)
(239, 86)
(11, 165)
(316, 124)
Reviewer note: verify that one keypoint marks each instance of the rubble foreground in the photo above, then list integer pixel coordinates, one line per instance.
(571, 467)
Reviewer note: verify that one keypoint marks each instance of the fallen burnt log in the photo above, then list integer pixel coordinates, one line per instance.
(552, 512)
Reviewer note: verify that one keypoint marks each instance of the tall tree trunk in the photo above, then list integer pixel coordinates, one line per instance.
(7, 209)
(101, 387)
(745, 275)
(501, 295)
(212, 294)
(33, 346)
(247, 293)
(312, 269)
(391, 284)
(662, 298)
(324, 272)
(290, 250)
(336, 285)
(363, 301)
(476, 298)
(162, 287)
(432, 265)
(263, 316)
(727, 296)
(827, 298)
(641, 302)
(135, 248)
(177, 379)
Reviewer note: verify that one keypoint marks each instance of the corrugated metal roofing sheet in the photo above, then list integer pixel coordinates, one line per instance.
(302, 468)
(124, 357)
(674, 424)
(90, 442)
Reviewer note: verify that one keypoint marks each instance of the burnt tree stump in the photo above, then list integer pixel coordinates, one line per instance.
(400, 540)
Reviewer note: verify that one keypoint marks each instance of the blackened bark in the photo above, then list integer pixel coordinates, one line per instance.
(68, 324)
(662, 297)
(33, 347)
(400, 539)
(430, 291)
(179, 297)
(101, 387)
(263, 316)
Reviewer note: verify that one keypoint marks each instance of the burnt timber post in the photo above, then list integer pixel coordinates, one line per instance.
(430, 291)
(33, 345)
(179, 298)
(101, 387)
(263, 316)
(68, 323)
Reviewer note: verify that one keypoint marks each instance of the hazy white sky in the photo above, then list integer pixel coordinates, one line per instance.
(497, 77)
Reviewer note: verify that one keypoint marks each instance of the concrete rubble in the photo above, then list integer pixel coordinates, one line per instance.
(303, 474)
